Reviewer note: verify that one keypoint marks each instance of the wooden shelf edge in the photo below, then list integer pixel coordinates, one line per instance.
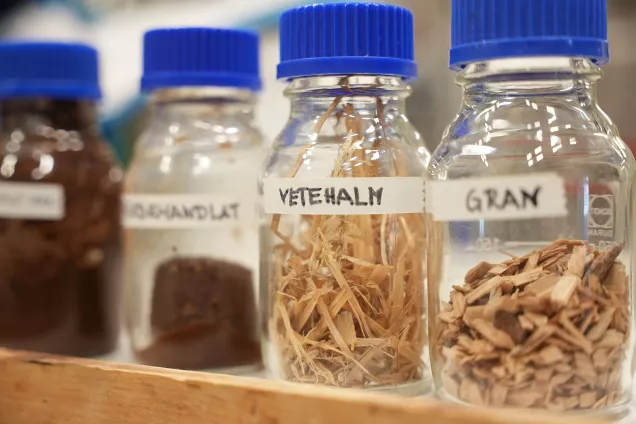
(38, 388)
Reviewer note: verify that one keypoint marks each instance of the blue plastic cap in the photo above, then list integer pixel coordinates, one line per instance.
(346, 39)
(495, 29)
(193, 57)
(43, 69)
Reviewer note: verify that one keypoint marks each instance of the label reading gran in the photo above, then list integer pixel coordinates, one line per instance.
(540, 195)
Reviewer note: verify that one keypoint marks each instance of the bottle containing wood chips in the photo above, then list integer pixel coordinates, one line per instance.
(529, 206)
(60, 190)
(343, 238)
(190, 205)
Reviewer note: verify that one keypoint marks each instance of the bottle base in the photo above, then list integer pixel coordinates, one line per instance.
(411, 389)
(418, 388)
(613, 413)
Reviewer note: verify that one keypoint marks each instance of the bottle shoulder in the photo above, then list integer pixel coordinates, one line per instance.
(312, 145)
(193, 154)
(205, 134)
(522, 135)
(67, 157)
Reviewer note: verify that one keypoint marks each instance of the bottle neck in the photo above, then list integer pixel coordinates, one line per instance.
(35, 115)
(174, 104)
(530, 77)
(384, 94)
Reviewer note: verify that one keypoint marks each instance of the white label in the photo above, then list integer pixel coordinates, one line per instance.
(540, 195)
(344, 196)
(39, 201)
(184, 211)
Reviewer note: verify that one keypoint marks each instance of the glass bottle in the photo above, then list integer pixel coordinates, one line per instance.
(529, 205)
(59, 204)
(343, 236)
(191, 248)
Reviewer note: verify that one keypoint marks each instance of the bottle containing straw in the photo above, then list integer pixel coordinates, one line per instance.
(342, 196)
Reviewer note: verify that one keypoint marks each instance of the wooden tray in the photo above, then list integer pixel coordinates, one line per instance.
(38, 388)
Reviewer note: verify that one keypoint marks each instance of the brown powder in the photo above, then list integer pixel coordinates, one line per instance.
(203, 316)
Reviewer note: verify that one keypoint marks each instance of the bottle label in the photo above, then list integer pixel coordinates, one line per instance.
(343, 196)
(184, 211)
(539, 195)
(37, 201)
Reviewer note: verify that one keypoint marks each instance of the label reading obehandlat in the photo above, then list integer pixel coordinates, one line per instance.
(540, 195)
(38, 201)
(183, 211)
(343, 196)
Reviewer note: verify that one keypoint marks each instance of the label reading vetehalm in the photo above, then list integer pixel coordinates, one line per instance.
(37, 201)
(343, 196)
(540, 195)
(185, 211)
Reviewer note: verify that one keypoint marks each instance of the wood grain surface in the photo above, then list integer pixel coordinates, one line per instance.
(38, 388)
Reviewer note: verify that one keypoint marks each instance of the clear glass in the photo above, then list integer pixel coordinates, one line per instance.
(59, 275)
(522, 117)
(191, 289)
(346, 127)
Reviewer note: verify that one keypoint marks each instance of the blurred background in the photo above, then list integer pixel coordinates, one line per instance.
(116, 27)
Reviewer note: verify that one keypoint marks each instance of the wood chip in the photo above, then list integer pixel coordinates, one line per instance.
(520, 280)
(477, 272)
(524, 398)
(459, 304)
(587, 399)
(550, 252)
(561, 378)
(532, 261)
(600, 359)
(584, 368)
(508, 322)
(602, 264)
(576, 263)
(535, 340)
(526, 323)
(550, 355)
(616, 281)
(480, 347)
(503, 303)
(564, 289)
(544, 374)
(544, 285)
(483, 290)
(462, 289)
(538, 319)
(604, 321)
(611, 338)
(577, 337)
(493, 335)
(600, 403)
(499, 269)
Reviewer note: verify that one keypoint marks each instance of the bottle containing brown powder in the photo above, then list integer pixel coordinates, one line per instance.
(191, 249)
(59, 204)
